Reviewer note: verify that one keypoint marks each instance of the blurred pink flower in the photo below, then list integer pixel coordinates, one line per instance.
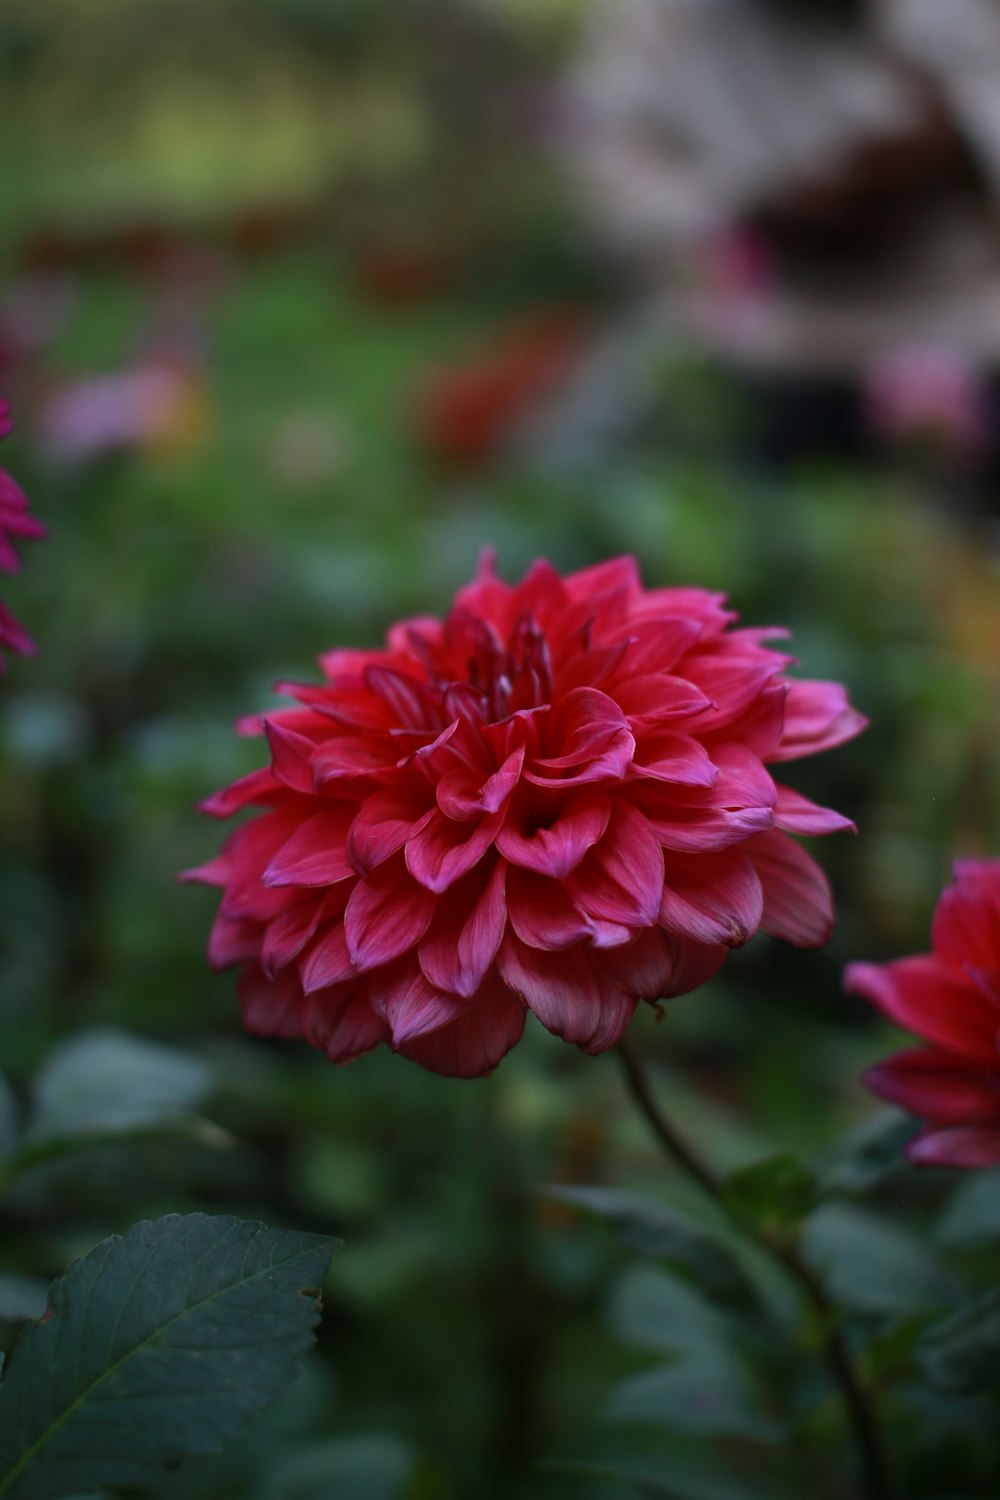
(929, 396)
(951, 998)
(157, 405)
(555, 799)
(15, 524)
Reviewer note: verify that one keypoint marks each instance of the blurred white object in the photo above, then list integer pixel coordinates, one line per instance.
(868, 150)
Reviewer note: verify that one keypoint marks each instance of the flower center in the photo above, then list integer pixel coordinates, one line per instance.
(504, 676)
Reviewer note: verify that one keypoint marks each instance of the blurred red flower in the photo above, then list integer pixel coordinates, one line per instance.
(951, 998)
(15, 524)
(554, 799)
(468, 411)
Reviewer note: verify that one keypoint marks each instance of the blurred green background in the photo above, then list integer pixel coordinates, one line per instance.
(295, 214)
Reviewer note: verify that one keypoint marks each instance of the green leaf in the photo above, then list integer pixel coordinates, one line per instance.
(22, 1296)
(872, 1266)
(369, 1467)
(669, 1480)
(707, 1395)
(962, 1353)
(652, 1309)
(772, 1196)
(655, 1230)
(160, 1344)
(108, 1083)
(973, 1215)
(868, 1154)
(104, 1086)
(8, 1118)
(705, 1387)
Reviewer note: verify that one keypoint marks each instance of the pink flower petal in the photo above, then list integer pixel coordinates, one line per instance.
(572, 997)
(674, 758)
(474, 1043)
(289, 932)
(818, 716)
(959, 1146)
(542, 914)
(715, 899)
(290, 756)
(938, 1085)
(927, 997)
(232, 941)
(462, 794)
(558, 848)
(656, 701)
(387, 914)
(966, 926)
(658, 645)
(341, 1023)
(316, 853)
(270, 1007)
(643, 967)
(732, 684)
(258, 786)
(382, 825)
(617, 1010)
(328, 960)
(588, 737)
(410, 1006)
(561, 988)
(621, 878)
(444, 849)
(796, 814)
(408, 699)
(463, 939)
(798, 906)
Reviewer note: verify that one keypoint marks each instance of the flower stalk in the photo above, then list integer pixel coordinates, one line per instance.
(861, 1418)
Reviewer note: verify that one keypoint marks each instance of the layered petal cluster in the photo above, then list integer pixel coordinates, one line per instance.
(951, 998)
(555, 799)
(15, 525)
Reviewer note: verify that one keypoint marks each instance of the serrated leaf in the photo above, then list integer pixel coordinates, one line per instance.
(369, 1467)
(772, 1196)
(160, 1344)
(873, 1267)
(655, 1230)
(962, 1352)
(22, 1296)
(973, 1215)
(107, 1082)
(705, 1388)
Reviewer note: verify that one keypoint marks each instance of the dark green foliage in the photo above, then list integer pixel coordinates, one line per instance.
(771, 1197)
(874, 1268)
(962, 1353)
(705, 1387)
(662, 1233)
(157, 1345)
(103, 1086)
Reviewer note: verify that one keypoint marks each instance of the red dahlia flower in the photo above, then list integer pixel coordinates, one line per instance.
(555, 799)
(951, 998)
(14, 523)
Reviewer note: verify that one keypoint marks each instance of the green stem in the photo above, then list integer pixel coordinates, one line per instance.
(878, 1485)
